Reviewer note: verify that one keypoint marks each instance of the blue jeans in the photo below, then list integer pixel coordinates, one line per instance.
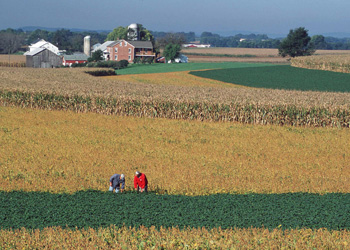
(139, 189)
(116, 189)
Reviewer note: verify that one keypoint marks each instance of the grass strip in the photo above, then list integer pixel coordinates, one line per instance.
(100, 209)
(176, 67)
(281, 77)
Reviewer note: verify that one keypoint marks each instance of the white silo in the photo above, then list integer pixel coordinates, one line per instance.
(87, 46)
(133, 32)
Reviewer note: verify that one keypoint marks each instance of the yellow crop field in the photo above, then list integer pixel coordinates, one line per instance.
(173, 78)
(66, 152)
(337, 63)
(13, 58)
(173, 238)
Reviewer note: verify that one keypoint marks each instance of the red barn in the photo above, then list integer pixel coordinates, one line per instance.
(68, 60)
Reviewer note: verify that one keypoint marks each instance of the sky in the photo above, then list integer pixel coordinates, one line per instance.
(225, 17)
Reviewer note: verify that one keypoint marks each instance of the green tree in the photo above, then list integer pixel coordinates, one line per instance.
(172, 51)
(297, 43)
(118, 33)
(122, 33)
(96, 56)
(319, 42)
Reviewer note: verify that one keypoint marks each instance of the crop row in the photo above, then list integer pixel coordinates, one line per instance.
(338, 63)
(172, 238)
(13, 64)
(234, 112)
(102, 209)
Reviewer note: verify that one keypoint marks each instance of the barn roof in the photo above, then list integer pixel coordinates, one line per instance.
(103, 46)
(76, 57)
(141, 44)
(34, 52)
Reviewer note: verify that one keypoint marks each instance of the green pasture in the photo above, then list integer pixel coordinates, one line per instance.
(281, 77)
(101, 209)
(176, 67)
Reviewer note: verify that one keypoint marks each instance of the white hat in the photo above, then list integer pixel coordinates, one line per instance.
(122, 176)
(137, 173)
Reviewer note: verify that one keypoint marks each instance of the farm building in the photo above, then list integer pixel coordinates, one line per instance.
(130, 50)
(68, 60)
(43, 58)
(103, 48)
(196, 45)
(42, 44)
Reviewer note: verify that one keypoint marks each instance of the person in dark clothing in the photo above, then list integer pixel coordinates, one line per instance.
(115, 181)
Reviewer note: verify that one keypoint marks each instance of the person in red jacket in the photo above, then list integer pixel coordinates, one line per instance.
(140, 182)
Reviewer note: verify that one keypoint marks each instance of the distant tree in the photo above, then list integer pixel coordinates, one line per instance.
(39, 34)
(96, 56)
(10, 43)
(297, 43)
(171, 38)
(319, 42)
(172, 51)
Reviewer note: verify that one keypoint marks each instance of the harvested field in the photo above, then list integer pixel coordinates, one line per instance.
(182, 78)
(59, 151)
(260, 55)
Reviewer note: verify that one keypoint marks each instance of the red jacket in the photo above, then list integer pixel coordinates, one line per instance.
(140, 181)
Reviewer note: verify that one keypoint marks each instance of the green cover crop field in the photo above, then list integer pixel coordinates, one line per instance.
(175, 67)
(100, 209)
(281, 77)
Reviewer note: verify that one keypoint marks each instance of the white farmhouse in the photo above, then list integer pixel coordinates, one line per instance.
(103, 48)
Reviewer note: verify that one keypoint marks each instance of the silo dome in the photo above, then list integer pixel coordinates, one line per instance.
(133, 26)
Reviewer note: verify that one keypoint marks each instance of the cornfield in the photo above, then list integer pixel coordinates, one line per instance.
(12, 61)
(202, 111)
(337, 63)
(13, 64)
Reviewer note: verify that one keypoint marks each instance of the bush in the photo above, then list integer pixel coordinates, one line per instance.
(78, 65)
(108, 72)
(148, 60)
(109, 64)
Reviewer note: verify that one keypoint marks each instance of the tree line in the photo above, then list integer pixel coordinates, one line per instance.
(12, 41)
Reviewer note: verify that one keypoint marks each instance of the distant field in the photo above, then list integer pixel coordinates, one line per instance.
(13, 58)
(281, 77)
(176, 67)
(259, 55)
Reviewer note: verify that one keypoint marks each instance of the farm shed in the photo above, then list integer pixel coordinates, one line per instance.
(43, 58)
(68, 60)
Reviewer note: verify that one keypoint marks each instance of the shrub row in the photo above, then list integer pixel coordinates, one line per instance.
(101, 209)
(109, 64)
(107, 72)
